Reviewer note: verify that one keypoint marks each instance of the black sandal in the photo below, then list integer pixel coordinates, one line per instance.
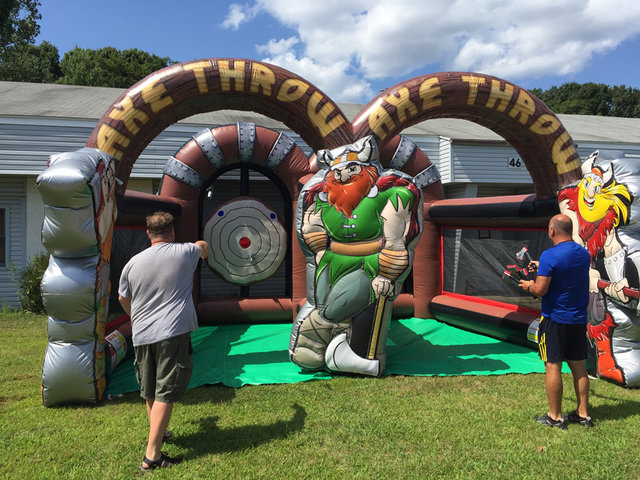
(165, 461)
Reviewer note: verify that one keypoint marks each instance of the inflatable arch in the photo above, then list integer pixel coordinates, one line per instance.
(97, 177)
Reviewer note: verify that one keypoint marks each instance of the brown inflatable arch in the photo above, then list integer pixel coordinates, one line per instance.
(519, 117)
(185, 89)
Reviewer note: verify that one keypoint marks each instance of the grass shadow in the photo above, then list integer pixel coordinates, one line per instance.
(614, 411)
(216, 394)
(210, 439)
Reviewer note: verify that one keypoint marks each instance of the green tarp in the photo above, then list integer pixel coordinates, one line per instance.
(237, 355)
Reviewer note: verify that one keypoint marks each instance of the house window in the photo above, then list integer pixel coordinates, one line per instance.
(3, 239)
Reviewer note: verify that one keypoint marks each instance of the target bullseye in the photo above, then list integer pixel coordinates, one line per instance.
(247, 243)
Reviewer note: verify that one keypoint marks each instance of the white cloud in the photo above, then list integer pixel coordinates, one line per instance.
(360, 42)
(333, 79)
(278, 47)
(239, 14)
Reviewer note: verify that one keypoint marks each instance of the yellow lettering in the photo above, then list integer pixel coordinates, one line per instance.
(545, 124)
(474, 82)
(130, 116)
(430, 93)
(263, 78)
(401, 101)
(319, 118)
(108, 140)
(291, 90)
(381, 122)
(198, 71)
(523, 108)
(565, 157)
(154, 95)
(499, 98)
(227, 73)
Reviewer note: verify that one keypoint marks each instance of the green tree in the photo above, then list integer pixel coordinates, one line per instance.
(18, 22)
(29, 280)
(591, 99)
(31, 63)
(108, 67)
(625, 101)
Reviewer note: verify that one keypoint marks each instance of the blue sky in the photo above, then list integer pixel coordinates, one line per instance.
(352, 49)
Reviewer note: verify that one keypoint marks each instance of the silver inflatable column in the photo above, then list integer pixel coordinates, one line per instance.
(78, 194)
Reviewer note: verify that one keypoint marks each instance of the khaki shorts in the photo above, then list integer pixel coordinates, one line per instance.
(164, 368)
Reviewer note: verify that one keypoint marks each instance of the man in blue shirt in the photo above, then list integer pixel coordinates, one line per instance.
(563, 284)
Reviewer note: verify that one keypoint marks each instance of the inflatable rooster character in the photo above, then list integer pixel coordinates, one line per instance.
(600, 206)
(358, 226)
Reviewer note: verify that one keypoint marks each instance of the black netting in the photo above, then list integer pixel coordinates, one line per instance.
(474, 261)
(126, 244)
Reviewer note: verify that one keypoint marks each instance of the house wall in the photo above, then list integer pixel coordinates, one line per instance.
(13, 191)
(487, 163)
(35, 216)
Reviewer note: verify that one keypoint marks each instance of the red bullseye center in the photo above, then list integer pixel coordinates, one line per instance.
(244, 242)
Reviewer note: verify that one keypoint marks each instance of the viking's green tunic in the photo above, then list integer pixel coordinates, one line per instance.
(365, 224)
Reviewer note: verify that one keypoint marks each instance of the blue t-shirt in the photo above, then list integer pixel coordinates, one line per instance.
(567, 264)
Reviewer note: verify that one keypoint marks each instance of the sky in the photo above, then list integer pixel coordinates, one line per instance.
(353, 49)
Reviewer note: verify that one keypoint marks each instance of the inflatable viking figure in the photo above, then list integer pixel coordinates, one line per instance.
(604, 215)
(358, 226)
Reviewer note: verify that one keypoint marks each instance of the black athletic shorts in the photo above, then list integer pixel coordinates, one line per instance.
(558, 342)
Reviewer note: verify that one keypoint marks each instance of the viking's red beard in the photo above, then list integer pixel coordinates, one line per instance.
(345, 197)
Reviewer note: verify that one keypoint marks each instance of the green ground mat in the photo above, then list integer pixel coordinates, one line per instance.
(237, 355)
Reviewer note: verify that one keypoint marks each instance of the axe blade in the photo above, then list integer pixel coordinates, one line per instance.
(509, 279)
(523, 254)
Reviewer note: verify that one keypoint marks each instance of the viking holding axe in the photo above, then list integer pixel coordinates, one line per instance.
(358, 226)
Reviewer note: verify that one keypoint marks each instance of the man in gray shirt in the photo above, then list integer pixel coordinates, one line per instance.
(156, 288)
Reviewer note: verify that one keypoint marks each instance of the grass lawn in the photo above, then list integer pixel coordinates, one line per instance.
(397, 427)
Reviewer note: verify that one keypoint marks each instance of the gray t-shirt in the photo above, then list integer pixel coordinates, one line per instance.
(159, 282)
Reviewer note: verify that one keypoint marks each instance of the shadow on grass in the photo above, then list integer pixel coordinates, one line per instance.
(216, 394)
(210, 439)
(614, 411)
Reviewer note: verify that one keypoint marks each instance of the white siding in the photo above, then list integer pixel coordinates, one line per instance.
(12, 199)
(35, 216)
(430, 146)
(587, 148)
(26, 144)
(487, 163)
(444, 159)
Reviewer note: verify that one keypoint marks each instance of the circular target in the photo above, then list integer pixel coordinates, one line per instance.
(247, 243)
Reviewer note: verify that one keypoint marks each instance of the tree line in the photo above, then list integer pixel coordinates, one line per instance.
(21, 60)
(592, 99)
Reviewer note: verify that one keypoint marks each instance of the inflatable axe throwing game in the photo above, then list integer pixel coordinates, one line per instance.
(361, 232)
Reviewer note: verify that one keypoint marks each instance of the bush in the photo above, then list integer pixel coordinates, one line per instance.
(29, 279)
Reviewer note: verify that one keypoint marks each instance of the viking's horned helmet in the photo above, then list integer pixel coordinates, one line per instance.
(588, 169)
(363, 152)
